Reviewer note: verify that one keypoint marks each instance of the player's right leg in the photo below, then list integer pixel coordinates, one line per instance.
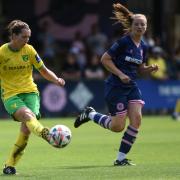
(117, 105)
(20, 144)
(83, 117)
(17, 151)
(113, 123)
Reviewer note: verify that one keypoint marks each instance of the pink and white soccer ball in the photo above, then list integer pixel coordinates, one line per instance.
(60, 136)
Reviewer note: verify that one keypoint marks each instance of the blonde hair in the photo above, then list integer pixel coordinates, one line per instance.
(123, 16)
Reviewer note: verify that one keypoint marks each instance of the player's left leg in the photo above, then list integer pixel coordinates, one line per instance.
(25, 108)
(25, 115)
(129, 137)
(17, 150)
(32, 101)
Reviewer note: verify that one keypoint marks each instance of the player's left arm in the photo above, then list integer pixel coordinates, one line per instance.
(143, 68)
(146, 69)
(51, 76)
(37, 62)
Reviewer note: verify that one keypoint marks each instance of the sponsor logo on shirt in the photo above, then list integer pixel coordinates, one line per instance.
(9, 68)
(6, 60)
(133, 60)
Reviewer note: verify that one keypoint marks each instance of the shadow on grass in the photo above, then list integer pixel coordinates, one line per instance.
(15, 176)
(85, 167)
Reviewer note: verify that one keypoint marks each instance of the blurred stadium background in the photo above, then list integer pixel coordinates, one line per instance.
(71, 36)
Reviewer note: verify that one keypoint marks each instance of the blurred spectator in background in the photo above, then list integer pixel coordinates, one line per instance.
(70, 68)
(176, 72)
(79, 49)
(157, 58)
(117, 33)
(48, 45)
(97, 41)
(94, 69)
(148, 39)
(1, 33)
(176, 61)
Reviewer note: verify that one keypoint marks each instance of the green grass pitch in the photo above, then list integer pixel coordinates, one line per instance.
(91, 153)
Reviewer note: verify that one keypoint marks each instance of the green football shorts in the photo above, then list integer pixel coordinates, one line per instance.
(29, 100)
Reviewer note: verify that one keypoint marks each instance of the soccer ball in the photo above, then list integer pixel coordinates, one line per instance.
(60, 136)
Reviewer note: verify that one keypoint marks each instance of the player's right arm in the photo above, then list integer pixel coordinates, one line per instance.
(107, 60)
(110, 66)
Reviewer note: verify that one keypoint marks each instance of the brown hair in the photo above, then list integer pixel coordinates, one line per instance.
(123, 16)
(15, 27)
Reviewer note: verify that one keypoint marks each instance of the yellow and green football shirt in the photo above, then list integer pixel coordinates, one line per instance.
(16, 68)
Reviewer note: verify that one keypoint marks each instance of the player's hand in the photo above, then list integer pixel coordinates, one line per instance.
(154, 68)
(124, 78)
(60, 82)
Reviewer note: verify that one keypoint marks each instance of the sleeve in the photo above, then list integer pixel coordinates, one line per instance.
(116, 48)
(36, 59)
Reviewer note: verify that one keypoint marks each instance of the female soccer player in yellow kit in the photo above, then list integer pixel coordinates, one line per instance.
(18, 91)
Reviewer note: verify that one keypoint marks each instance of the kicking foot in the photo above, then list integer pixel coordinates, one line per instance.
(45, 134)
(83, 117)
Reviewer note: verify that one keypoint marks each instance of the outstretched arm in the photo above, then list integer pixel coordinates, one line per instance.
(51, 76)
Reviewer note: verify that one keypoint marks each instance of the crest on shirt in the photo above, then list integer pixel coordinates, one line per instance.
(25, 58)
(38, 59)
(120, 106)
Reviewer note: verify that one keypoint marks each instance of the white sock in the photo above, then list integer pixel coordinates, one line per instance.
(91, 115)
(121, 156)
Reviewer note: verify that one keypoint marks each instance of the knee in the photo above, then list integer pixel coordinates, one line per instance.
(28, 114)
(23, 114)
(118, 128)
(118, 123)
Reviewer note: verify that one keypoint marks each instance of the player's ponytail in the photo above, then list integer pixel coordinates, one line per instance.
(123, 16)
